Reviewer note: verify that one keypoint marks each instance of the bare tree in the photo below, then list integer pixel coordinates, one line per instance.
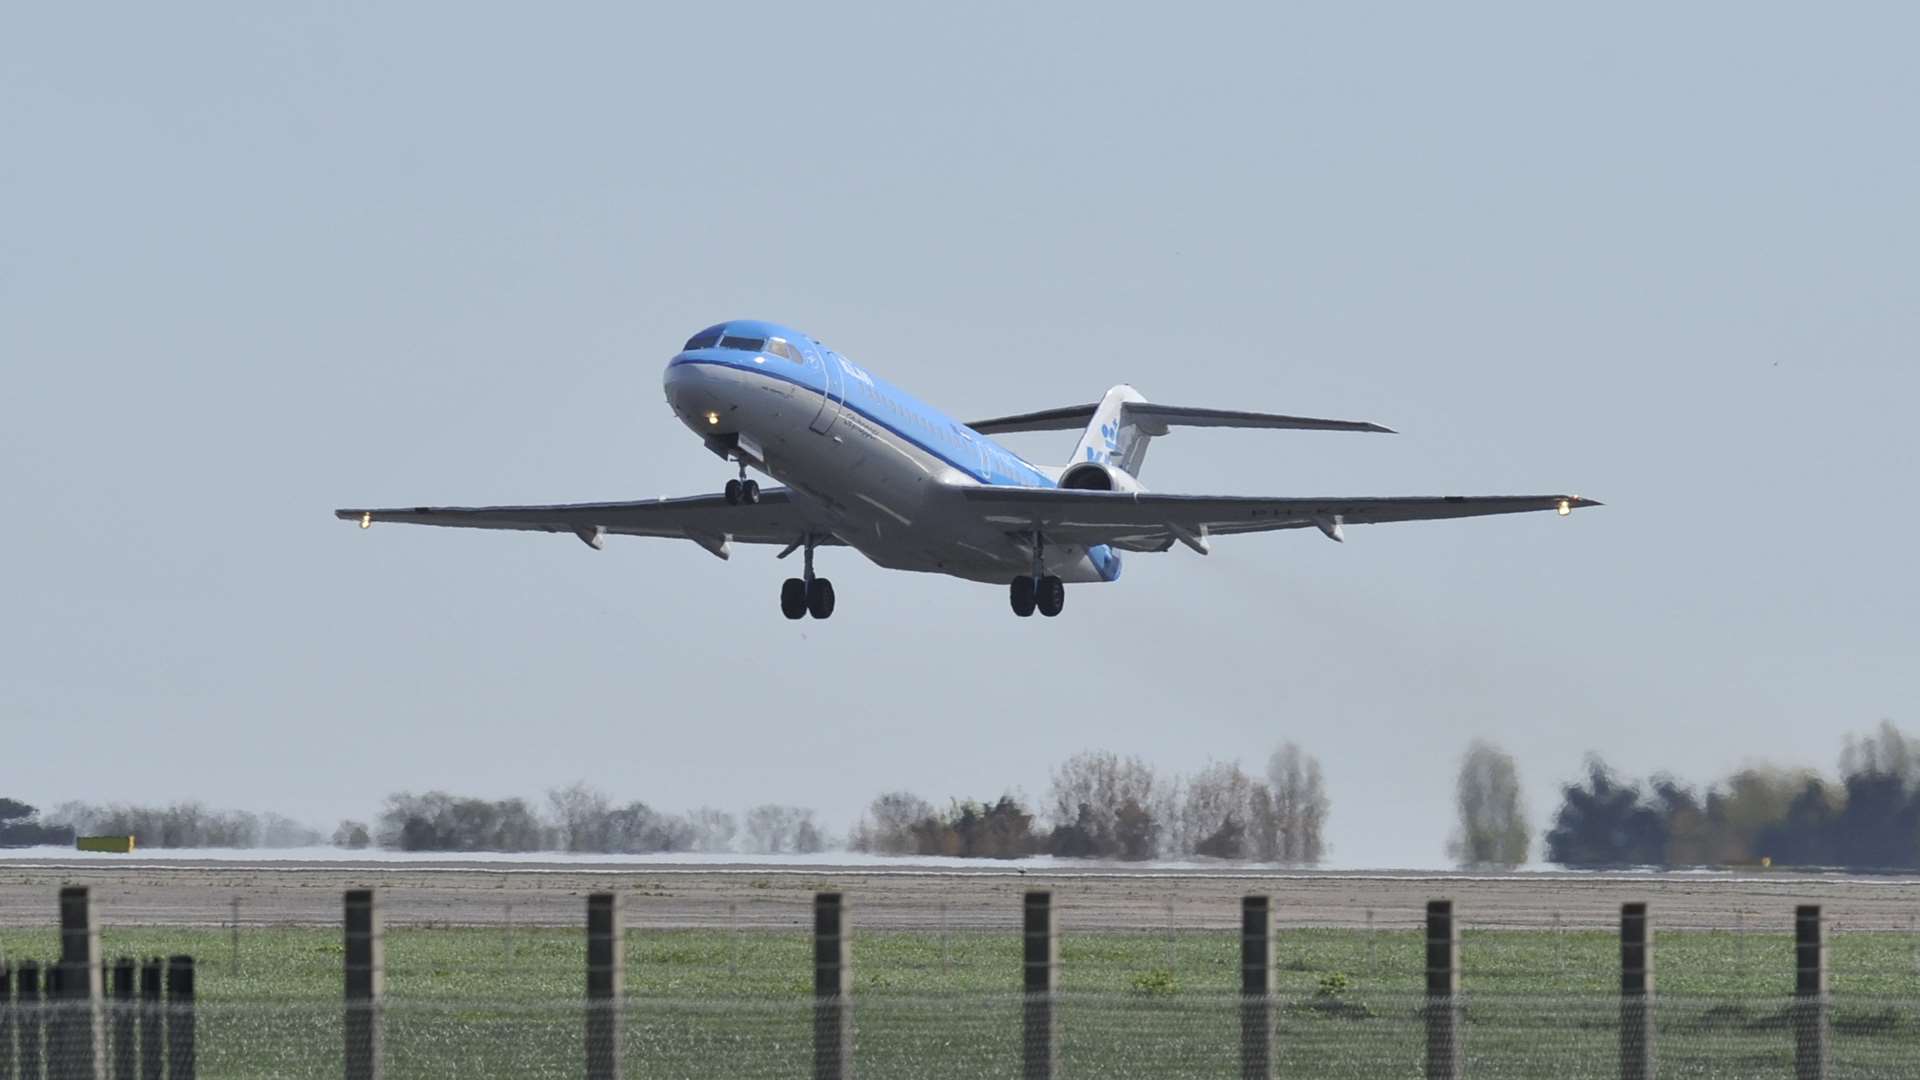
(1092, 792)
(1493, 828)
(1300, 805)
(890, 822)
(1217, 811)
(713, 830)
(580, 814)
(775, 830)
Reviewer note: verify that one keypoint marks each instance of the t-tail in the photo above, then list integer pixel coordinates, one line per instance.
(1120, 425)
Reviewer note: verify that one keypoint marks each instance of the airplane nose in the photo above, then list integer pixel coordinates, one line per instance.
(691, 394)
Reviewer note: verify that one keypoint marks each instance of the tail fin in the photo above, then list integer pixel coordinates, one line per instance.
(1114, 436)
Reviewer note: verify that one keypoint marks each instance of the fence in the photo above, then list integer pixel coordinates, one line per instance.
(1023, 1001)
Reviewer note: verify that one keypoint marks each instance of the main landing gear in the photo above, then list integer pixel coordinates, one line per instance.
(1045, 594)
(1041, 592)
(809, 595)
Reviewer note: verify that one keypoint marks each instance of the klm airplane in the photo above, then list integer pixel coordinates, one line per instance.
(868, 466)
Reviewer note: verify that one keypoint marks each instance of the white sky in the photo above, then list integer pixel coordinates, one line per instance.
(255, 265)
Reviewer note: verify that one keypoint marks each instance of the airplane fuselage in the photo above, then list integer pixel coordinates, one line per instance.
(882, 467)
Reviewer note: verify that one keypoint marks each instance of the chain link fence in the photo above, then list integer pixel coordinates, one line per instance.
(489, 979)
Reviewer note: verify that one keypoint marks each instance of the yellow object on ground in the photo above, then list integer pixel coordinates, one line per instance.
(119, 845)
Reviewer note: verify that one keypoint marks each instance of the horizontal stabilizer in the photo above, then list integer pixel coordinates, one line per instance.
(1154, 419)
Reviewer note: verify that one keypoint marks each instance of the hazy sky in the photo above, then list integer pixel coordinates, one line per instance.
(255, 265)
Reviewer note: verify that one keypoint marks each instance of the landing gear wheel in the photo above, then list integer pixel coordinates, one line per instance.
(749, 492)
(820, 598)
(793, 598)
(1022, 594)
(1050, 597)
(735, 491)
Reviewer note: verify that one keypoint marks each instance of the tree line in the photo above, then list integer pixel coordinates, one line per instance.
(1868, 817)
(1100, 805)
(578, 818)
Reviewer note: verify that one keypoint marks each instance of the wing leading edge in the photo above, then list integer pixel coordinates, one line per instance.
(1147, 521)
(708, 520)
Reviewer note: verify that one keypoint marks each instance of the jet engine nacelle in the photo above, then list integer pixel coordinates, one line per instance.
(1098, 476)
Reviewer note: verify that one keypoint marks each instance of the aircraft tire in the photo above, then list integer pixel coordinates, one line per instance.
(1051, 597)
(734, 492)
(750, 492)
(793, 598)
(820, 598)
(1022, 593)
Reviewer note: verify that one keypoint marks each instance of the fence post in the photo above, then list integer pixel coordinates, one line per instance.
(1256, 988)
(1443, 992)
(29, 1019)
(366, 970)
(1041, 957)
(606, 984)
(1636, 993)
(6, 1021)
(181, 1061)
(1811, 1059)
(125, 1054)
(832, 986)
(153, 1061)
(77, 1050)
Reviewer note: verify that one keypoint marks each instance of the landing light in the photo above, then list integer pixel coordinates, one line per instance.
(366, 519)
(713, 418)
(1565, 508)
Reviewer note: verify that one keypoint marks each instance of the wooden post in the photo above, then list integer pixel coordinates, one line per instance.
(181, 1059)
(1812, 1059)
(606, 984)
(1636, 993)
(1041, 960)
(79, 1050)
(125, 1052)
(366, 981)
(1256, 988)
(27, 1020)
(832, 987)
(1443, 992)
(6, 1022)
(153, 1054)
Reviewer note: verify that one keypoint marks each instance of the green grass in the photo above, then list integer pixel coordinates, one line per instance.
(477, 1001)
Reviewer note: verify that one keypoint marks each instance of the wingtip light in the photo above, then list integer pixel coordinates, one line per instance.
(366, 520)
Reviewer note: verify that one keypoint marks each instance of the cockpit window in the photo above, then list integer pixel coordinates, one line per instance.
(744, 344)
(780, 348)
(704, 340)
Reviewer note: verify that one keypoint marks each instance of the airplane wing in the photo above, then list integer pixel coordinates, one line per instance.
(708, 520)
(1147, 521)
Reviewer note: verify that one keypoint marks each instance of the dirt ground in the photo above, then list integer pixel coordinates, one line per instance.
(1095, 898)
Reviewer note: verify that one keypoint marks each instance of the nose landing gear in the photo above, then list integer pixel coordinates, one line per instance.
(808, 595)
(742, 492)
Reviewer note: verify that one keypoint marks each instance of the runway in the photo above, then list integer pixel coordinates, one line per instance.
(275, 892)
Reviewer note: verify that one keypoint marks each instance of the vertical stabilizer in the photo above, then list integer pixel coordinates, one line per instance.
(1111, 436)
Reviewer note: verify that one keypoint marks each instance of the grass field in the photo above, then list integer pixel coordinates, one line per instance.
(467, 1001)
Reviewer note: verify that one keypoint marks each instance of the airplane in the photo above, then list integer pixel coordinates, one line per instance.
(866, 465)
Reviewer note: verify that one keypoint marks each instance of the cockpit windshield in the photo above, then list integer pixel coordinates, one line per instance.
(780, 348)
(705, 339)
(744, 344)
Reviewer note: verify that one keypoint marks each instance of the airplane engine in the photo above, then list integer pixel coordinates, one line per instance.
(1098, 476)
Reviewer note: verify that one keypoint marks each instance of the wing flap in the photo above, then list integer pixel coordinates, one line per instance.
(1148, 521)
(775, 519)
